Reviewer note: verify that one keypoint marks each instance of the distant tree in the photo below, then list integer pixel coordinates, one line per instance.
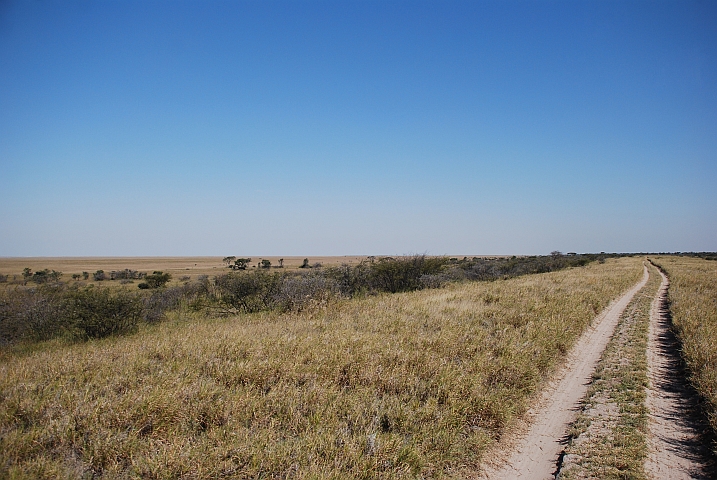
(155, 280)
(229, 260)
(99, 275)
(85, 275)
(556, 253)
(76, 276)
(241, 263)
(265, 263)
(26, 274)
(305, 264)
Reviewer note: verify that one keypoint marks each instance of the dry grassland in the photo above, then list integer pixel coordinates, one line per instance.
(177, 266)
(693, 304)
(608, 440)
(391, 386)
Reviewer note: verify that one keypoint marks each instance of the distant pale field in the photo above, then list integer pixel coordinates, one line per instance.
(175, 265)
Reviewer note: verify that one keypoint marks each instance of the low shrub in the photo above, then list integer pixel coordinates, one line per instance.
(249, 292)
(157, 279)
(30, 313)
(299, 292)
(403, 274)
(100, 312)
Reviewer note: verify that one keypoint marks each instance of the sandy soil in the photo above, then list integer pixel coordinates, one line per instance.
(536, 454)
(676, 450)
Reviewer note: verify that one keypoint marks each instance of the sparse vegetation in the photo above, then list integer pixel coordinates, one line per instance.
(245, 292)
(387, 386)
(240, 263)
(155, 280)
(608, 439)
(693, 305)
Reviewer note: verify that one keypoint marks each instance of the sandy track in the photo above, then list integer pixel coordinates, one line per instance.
(536, 454)
(674, 442)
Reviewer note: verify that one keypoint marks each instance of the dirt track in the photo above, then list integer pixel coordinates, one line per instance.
(536, 455)
(675, 446)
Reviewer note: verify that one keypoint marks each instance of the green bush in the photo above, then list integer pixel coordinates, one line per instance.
(156, 280)
(404, 273)
(93, 312)
(246, 292)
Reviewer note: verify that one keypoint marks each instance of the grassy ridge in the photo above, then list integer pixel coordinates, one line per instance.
(693, 304)
(392, 386)
(608, 439)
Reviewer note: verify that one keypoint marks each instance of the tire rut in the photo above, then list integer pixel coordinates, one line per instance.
(538, 453)
(676, 439)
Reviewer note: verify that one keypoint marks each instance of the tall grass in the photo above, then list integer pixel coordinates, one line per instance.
(390, 386)
(693, 304)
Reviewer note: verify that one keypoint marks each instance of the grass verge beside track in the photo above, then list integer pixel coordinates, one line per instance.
(608, 439)
(693, 305)
(391, 386)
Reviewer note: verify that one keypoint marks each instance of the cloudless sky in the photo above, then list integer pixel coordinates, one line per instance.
(357, 127)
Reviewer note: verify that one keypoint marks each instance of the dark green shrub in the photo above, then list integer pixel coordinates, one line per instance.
(240, 263)
(156, 280)
(404, 273)
(94, 312)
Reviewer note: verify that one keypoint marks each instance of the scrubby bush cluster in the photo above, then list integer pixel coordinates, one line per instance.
(155, 280)
(496, 268)
(126, 274)
(41, 276)
(53, 308)
(83, 312)
(48, 311)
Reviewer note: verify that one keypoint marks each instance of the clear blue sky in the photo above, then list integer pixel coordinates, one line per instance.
(357, 127)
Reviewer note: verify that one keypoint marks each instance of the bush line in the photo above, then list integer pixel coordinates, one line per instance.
(59, 309)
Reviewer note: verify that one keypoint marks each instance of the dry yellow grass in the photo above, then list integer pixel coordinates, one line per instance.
(174, 265)
(693, 304)
(177, 266)
(608, 440)
(393, 386)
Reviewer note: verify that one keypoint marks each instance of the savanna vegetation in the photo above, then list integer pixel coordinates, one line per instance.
(608, 440)
(693, 305)
(42, 306)
(350, 382)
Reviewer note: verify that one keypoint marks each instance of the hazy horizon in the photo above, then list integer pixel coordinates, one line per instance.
(303, 128)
